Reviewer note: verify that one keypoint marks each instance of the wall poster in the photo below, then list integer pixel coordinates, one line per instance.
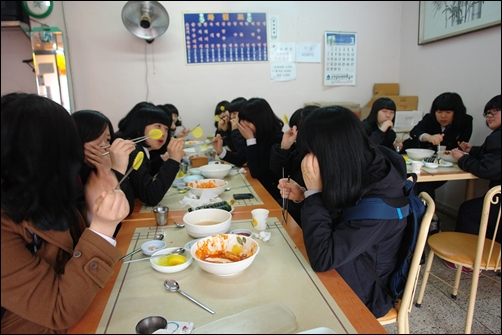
(340, 51)
(225, 37)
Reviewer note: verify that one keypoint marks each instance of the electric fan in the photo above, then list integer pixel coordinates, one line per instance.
(145, 19)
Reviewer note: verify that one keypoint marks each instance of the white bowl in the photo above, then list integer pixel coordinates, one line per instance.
(195, 186)
(192, 177)
(205, 222)
(431, 165)
(419, 154)
(215, 170)
(150, 247)
(172, 268)
(238, 252)
(192, 143)
(446, 155)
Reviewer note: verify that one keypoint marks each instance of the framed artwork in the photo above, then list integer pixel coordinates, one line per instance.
(444, 19)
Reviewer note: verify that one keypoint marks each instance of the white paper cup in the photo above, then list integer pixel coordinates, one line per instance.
(260, 216)
(416, 167)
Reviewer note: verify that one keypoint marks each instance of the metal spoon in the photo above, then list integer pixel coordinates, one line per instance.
(231, 188)
(159, 237)
(178, 251)
(179, 225)
(173, 286)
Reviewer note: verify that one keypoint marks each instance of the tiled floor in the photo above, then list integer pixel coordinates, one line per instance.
(440, 314)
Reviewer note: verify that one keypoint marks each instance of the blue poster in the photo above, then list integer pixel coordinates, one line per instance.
(225, 37)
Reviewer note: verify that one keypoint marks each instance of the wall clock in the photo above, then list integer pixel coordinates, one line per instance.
(38, 9)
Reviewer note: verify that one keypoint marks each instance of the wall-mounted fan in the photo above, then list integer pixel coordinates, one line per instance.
(145, 19)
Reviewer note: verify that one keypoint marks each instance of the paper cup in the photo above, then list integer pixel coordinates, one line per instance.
(416, 167)
(260, 217)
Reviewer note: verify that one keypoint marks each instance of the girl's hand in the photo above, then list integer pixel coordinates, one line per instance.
(223, 123)
(290, 189)
(457, 154)
(288, 138)
(386, 125)
(175, 149)
(245, 131)
(119, 154)
(235, 123)
(434, 139)
(311, 172)
(109, 209)
(217, 144)
(93, 156)
(465, 146)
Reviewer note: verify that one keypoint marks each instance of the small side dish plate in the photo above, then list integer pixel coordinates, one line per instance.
(446, 164)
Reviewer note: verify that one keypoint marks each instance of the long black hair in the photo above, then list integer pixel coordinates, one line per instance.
(337, 138)
(41, 158)
(258, 112)
(379, 104)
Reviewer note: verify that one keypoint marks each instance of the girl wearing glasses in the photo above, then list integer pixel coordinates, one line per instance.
(484, 162)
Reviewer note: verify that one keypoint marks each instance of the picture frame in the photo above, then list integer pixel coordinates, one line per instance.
(444, 19)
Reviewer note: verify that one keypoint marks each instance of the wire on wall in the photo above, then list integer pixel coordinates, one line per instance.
(146, 74)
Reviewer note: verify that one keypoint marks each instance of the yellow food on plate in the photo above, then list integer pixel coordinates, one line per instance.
(171, 260)
(180, 175)
(236, 249)
(406, 158)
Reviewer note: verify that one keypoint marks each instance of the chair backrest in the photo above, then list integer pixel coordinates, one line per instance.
(411, 283)
(487, 248)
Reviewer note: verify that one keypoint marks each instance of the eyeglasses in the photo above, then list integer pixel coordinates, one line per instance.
(491, 112)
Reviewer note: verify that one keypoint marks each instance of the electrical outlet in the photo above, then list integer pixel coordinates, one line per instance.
(274, 26)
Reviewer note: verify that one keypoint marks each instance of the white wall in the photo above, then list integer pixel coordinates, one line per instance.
(107, 63)
(469, 64)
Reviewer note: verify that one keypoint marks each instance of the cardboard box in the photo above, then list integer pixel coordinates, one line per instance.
(353, 106)
(365, 112)
(403, 102)
(386, 88)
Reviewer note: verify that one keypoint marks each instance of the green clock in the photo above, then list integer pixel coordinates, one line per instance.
(38, 9)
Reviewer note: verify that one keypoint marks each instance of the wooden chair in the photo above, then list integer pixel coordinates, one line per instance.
(472, 251)
(400, 313)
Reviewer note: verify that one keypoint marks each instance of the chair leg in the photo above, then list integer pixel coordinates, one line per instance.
(457, 282)
(427, 271)
(472, 302)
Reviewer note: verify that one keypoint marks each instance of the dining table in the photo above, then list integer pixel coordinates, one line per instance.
(280, 281)
(446, 173)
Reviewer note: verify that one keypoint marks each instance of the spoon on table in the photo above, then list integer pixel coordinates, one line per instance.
(178, 251)
(231, 188)
(173, 286)
(159, 237)
(179, 225)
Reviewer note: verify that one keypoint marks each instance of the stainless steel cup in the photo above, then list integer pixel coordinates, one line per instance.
(161, 214)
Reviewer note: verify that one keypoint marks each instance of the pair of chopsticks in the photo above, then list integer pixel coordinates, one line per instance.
(284, 211)
(136, 140)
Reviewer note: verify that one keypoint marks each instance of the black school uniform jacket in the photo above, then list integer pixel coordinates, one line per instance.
(454, 133)
(332, 244)
(379, 137)
(148, 189)
(484, 161)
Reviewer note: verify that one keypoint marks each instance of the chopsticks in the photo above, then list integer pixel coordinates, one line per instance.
(284, 210)
(136, 140)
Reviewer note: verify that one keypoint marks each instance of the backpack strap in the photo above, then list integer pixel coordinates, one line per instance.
(375, 209)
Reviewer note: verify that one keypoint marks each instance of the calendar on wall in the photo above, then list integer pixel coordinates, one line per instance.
(225, 37)
(340, 51)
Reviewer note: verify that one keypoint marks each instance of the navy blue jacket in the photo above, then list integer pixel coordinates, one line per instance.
(332, 244)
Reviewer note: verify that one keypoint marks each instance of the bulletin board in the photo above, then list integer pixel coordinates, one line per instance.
(340, 51)
(212, 38)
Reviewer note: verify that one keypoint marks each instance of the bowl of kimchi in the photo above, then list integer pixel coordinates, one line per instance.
(216, 186)
(225, 254)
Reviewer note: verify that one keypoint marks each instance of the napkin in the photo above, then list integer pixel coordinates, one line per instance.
(263, 235)
(207, 197)
(184, 328)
